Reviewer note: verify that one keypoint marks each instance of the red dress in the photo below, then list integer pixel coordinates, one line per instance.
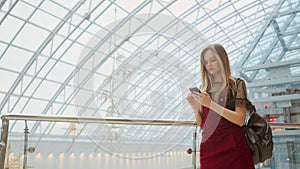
(223, 144)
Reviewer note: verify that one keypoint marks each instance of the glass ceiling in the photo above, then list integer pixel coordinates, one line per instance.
(131, 59)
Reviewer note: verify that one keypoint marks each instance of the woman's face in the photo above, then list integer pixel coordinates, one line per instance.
(211, 63)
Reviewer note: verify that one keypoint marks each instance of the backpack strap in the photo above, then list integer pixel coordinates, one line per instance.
(237, 82)
(250, 107)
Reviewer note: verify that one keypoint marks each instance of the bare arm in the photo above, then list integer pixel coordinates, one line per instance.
(196, 108)
(238, 116)
(198, 118)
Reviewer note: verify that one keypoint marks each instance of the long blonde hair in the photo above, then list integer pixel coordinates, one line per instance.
(222, 57)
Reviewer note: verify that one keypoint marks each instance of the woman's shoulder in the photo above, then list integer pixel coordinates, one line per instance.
(237, 82)
(235, 85)
(238, 79)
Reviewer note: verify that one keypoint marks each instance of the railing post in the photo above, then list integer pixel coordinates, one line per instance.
(25, 145)
(3, 143)
(194, 148)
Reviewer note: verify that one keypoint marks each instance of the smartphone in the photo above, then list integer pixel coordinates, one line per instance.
(192, 89)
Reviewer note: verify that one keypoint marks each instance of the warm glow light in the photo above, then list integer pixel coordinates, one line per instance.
(11, 155)
(51, 156)
(107, 160)
(139, 154)
(91, 156)
(81, 157)
(62, 156)
(38, 156)
(106, 155)
(72, 156)
(98, 155)
(127, 160)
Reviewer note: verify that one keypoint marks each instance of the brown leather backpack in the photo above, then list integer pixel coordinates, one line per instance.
(259, 137)
(258, 134)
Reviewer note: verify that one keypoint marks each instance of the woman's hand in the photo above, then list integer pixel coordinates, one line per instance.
(202, 98)
(191, 98)
(193, 102)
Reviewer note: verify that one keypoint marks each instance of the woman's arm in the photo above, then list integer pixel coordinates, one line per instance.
(238, 116)
(198, 118)
(196, 108)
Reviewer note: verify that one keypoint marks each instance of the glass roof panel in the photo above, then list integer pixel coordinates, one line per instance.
(68, 52)
(19, 104)
(30, 85)
(179, 8)
(130, 6)
(34, 3)
(39, 17)
(6, 6)
(293, 54)
(59, 72)
(22, 10)
(2, 49)
(31, 107)
(28, 33)
(212, 4)
(56, 8)
(7, 78)
(10, 62)
(9, 28)
(46, 89)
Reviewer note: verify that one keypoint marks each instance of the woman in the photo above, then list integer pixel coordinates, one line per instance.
(220, 110)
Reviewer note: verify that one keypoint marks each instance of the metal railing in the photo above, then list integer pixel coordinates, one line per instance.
(7, 118)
